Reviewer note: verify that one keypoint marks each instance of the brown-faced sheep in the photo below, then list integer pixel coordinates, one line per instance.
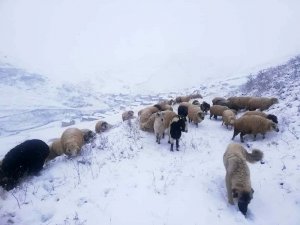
(259, 113)
(237, 179)
(253, 125)
(261, 103)
(217, 110)
(56, 149)
(228, 117)
(127, 115)
(238, 103)
(102, 126)
(72, 140)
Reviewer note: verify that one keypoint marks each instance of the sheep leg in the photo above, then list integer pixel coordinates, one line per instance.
(196, 125)
(172, 143)
(210, 116)
(177, 144)
(216, 117)
(254, 137)
(263, 134)
(158, 138)
(235, 132)
(172, 147)
(229, 189)
(241, 137)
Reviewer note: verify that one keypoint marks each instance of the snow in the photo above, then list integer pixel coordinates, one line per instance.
(124, 177)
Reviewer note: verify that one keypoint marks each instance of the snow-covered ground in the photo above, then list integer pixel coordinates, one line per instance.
(127, 178)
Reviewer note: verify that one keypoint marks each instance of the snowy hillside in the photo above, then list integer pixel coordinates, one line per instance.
(124, 177)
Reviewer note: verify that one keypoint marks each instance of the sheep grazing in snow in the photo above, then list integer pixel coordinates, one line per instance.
(253, 125)
(56, 149)
(72, 140)
(144, 114)
(217, 110)
(26, 158)
(228, 117)
(217, 99)
(237, 177)
(102, 126)
(148, 125)
(259, 113)
(167, 102)
(159, 127)
(163, 107)
(261, 103)
(195, 114)
(204, 106)
(238, 103)
(88, 135)
(177, 125)
(127, 115)
(182, 99)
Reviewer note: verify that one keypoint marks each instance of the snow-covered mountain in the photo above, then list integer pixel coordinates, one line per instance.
(124, 177)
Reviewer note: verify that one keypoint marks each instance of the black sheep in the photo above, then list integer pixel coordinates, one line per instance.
(26, 158)
(204, 106)
(177, 126)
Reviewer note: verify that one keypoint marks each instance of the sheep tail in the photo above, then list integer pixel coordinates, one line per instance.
(255, 156)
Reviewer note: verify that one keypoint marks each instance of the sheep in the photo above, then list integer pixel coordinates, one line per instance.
(72, 140)
(261, 103)
(217, 99)
(27, 158)
(159, 127)
(196, 95)
(144, 114)
(237, 179)
(238, 103)
(148, 125)
(253, 125)
(183, 112)
(228, 117)
(163, 107)
(259, 113)
(196, 102)
(217, 110)
(182, 99)
(168, 102)
(177, 125)
(195, 114)
(56, 149)
(88, 135)
(127, 115)
(102, 126)
(204, 106)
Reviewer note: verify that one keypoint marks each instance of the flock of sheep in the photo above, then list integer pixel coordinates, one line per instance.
(30, 156)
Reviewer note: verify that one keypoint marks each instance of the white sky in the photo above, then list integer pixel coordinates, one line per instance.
(72, 39)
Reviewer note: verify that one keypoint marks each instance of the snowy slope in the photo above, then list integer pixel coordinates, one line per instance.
(126, 178)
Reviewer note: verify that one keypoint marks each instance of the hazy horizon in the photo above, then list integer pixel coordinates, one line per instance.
(75, 40)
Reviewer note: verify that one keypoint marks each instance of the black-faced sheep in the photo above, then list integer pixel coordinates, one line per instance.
(237, 179)
(259, 113)
(88, 135)
(238, 103)
(253, 125)
(217, 110)
(228, 117)
(261, 103)
(26, 158)
(177, 125)
(72, 140)
(102, 126)
(127, 115)
(204, 106)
